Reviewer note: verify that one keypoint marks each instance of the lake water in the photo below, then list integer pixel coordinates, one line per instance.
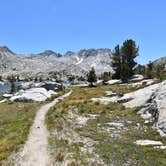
(5, 87)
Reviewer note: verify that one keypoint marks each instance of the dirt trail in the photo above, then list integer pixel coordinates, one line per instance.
(35, 151)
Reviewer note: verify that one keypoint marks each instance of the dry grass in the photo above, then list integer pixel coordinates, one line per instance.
(15, 121)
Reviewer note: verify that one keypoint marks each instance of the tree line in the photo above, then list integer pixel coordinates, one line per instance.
(151, 71)
(125, 65)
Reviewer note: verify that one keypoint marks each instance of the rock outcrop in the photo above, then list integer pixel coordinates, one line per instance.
(140, 97)
(153, 101)
(32, 95)
(159, 103)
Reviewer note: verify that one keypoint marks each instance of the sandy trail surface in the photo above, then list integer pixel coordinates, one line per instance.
(35, 151)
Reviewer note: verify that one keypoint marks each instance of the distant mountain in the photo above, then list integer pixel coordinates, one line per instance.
(160, 62)
(48, 53)
(50, 63)
(5, 50)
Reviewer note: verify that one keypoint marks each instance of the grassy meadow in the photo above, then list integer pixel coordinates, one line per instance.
(82, 133)
(15, 122)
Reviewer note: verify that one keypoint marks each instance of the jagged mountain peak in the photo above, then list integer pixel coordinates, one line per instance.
(5, 49)
(104, 49)
(93, 52)
(87, 52)
(69, 53)
(48, 53)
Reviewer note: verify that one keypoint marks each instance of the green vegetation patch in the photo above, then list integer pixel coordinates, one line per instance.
(107, 143)
(15, 122)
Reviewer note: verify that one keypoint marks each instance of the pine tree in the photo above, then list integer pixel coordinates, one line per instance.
(18, 78)
(159, 72)
(123, 60)
(91, 77)
(36, 79)
(71, 78)
(149, 70)
(13, 87)
(105, 77)
(116, 62)
(13, 84)
(129, 52)
(40, 79)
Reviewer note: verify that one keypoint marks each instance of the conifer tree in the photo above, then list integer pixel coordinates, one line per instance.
(149, 70)
(13, 87)
(123, 60)
(129, 52)
(91, 77)
(159, 72)
(13, 84)
(105, 77)
(116, 62)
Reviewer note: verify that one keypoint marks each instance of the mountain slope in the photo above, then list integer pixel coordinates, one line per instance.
(51, 63)
(160, 62)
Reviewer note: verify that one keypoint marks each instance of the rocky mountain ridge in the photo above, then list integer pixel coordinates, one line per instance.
(55, 65)
(161, 62)
(50, 63)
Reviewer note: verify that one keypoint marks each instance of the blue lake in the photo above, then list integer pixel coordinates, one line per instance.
(5, 87)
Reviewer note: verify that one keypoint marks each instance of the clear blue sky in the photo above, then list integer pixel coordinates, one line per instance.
(31, 26)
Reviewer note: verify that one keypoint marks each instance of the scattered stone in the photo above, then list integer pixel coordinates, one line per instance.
(147, 142)
(147, 121)
(116, 124)
(110, 94)
(115, 136)
(99, 81)
(81, 120)
(7, 95)
(111, 82)
(138, 124)
(3, 101)
(81, 85)
(146, 116)
(143, 82)
(160, 147)
(105, 100)
(137, 77)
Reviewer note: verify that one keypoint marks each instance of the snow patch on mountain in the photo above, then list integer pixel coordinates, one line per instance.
(79, 61)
